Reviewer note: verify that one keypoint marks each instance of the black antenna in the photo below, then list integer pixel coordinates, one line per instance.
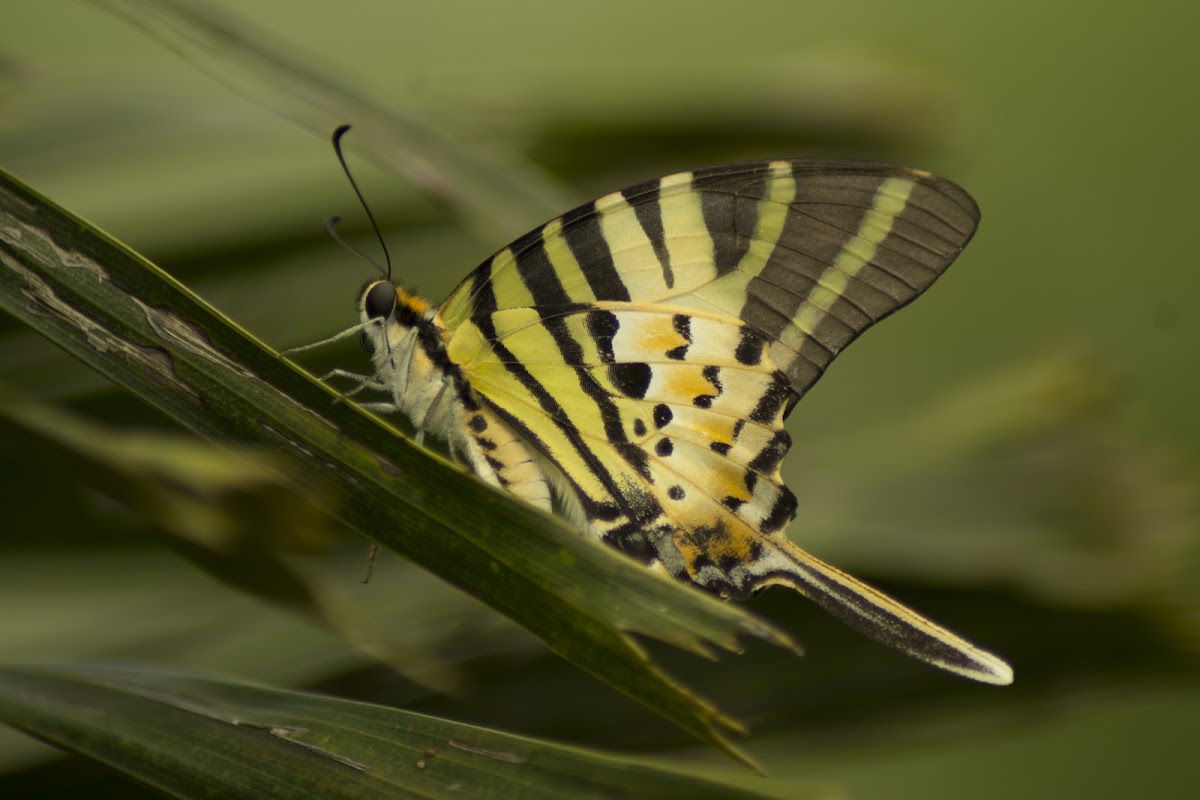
(330, 225)
(332, 221)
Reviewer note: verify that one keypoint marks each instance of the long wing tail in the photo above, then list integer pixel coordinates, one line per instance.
(878, 616)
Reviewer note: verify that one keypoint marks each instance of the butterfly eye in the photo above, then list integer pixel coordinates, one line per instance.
(367, 344)
(380, 301)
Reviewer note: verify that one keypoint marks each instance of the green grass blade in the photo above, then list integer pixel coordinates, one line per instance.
(191, 735)
(140, 328)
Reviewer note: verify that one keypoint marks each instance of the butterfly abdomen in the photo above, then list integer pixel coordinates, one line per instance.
(499, 456)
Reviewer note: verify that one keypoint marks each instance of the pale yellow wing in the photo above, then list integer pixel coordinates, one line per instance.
(650, 344)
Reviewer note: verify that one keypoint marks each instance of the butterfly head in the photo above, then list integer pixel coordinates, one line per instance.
(385, 309)
(378, 300)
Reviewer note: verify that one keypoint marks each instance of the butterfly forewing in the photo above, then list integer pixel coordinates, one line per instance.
(807, 253)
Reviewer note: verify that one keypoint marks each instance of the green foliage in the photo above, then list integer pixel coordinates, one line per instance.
(194, 736)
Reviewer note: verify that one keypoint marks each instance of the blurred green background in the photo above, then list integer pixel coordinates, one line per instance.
(1015, 454)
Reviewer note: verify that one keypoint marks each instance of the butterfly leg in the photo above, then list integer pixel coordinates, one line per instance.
(337, 337)
(363, 381)
(381, 408)
(371, 382)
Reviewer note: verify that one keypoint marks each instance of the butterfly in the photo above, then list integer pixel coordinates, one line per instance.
(630, 365)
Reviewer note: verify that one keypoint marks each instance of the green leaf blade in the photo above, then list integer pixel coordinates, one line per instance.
(195, 736)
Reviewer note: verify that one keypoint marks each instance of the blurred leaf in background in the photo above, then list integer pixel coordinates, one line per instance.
(1014, 455)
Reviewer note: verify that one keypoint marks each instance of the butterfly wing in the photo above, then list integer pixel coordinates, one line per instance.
(809, 253)
(649, 345)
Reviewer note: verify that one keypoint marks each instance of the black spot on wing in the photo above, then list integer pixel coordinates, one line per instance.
(732, 503)
(683, 326)
(662, 415)
(602, 326)
(632, 378)
(712, 374)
